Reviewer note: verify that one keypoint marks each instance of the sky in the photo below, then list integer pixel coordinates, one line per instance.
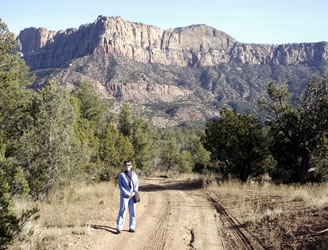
(248, 21)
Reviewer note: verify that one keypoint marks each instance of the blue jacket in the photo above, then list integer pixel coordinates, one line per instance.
(123, 183)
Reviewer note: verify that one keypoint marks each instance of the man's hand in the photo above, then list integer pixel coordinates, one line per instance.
(130, 195)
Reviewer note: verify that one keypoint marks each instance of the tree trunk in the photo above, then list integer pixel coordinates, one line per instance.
(304, 166)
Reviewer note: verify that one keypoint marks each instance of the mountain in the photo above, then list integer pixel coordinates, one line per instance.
(175, 76)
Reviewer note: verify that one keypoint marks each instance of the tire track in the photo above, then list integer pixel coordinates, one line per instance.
(157, 239)
(242, 241)
(205, 229)
(180, 221)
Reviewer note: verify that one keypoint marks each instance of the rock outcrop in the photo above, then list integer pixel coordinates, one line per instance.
(196, 45)
(145, 92)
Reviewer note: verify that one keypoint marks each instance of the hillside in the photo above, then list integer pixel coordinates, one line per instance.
(177, 76)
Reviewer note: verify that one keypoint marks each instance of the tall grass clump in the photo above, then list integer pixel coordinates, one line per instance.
(315, 195)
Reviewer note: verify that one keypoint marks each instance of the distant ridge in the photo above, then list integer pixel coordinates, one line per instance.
(176, 77)
(195, 45)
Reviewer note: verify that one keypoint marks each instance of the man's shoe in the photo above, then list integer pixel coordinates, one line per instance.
(118, 231)
(131, 230)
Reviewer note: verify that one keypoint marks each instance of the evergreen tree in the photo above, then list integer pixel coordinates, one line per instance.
(125, 123)
(239, 143)
(10, 223)
(144, 147)
(85, 148)
(92, 107)
(182, 150)
(201, 157)
(44, 150)
(14, 104)
(185, 162)
(299, 132)
(8, 220)
(15, 99)
(113, 151)
(190, 140)
(170, 153)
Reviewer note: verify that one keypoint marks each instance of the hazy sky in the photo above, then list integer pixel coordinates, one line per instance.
(248, 21)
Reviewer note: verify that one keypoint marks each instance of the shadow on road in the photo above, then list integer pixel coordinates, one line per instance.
(172, 185)
(105, 228)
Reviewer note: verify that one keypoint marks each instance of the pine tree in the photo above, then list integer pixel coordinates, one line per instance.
(185, 162)
(144, 146)
(85, 147)
(201, 157)
(10, 223)
(239, 143)
(298, 131)
(44, 150)
(170, 153)
(113, 151)
(8, 220)
(92, 107)
(125, 123)
(15, 99)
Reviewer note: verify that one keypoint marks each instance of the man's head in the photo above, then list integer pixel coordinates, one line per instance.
(127, 165)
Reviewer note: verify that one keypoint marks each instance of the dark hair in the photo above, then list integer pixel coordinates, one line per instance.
(126, 162)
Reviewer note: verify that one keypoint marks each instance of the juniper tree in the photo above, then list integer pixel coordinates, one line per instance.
(15, 100)
(299, 131)
(11, 179)
(92, 107)
(201, 157)
(44, 149)
(85, 147)
(114, 149)
(125, 121)
(143, 143)
(170, 153)
(238, 143)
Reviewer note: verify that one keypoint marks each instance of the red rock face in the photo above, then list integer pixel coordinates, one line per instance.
(196, 45)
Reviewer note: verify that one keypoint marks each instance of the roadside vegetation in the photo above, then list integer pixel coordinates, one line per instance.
(52, 140)
(277, 216)
(74, 210)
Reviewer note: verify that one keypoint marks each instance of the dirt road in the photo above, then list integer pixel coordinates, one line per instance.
(171, 215)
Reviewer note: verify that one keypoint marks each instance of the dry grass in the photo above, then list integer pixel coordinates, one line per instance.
(279, 216)
(69, 211)
(313, 195)
(266, 215)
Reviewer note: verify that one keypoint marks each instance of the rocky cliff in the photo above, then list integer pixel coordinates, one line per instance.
(196, 45)
(172, 76)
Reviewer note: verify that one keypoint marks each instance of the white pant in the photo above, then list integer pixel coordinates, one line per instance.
(124, 204)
